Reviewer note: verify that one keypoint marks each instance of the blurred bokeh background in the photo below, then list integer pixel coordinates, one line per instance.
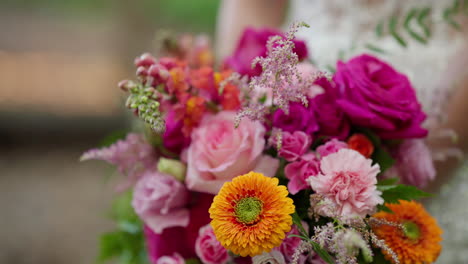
(60, 61)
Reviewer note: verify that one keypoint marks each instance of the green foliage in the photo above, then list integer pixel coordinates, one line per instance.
(416, 24)
(380, 155)
(402, 192)
(126, 243)
(112, 138)
(322, 253)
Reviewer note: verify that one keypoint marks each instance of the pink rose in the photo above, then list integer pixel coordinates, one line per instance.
(330, 147)
(413, 163)
(208, 249)
(348, 181)
(174, 259)
(220, 152)
(298, 172)
(159, 200)
(294, 145)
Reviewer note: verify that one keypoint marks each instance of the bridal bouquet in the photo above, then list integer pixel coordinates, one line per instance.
(266, 159)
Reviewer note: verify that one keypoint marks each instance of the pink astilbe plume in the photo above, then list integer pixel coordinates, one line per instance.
(279, 75)
(132, 156)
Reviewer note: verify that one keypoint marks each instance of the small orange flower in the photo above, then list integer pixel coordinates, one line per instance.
(361, 144)
(419, 243)
(230, 97)
(251, 214)
(194, 110)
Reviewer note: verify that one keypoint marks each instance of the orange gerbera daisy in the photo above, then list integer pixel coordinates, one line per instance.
(251, 214)
(418, 243)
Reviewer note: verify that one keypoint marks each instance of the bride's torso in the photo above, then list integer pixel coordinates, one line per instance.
(340, 29)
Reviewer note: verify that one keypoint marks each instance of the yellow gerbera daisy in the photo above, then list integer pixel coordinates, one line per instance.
(251, 214)
(419, 243)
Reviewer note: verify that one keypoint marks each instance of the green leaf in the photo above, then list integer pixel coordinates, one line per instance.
(379, 29)
(423, 14)
(109, 246)
(374, 48)
(322, 253)
(389, 181)
(112, 138)
(298, 222)
(383, 207)
(403, 192)
(383, 158)
(447, 16)
(410, 16)
(192, 261)
(393, 31)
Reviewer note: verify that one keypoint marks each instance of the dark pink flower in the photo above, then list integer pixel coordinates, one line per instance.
(253, 44)
(330, 147)
(300, 118)
(299, 171)
(173, 137)
(179, 239)
(375, 95)
(290, 244)
(329, 116)
(208, 248)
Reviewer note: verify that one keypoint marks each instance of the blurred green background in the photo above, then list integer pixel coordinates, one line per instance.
(60, 61)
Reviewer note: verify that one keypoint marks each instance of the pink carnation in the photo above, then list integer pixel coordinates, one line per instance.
(294, 145)
(348, 180)
(208, 248)
(174, 259)
(132, 156)
(413, 163)
(159, 200)
(299, 171)
(330, 147)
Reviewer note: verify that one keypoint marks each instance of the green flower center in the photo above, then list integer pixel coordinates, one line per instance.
(248, 209)
(411, 230)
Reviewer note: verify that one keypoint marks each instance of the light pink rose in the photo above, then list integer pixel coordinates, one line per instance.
(272, 257)
(294, 145)
(208, 248)
(330, 147)
(159, 200)
(348, 180)
(174, 259)
(299, 171)
(220, 152)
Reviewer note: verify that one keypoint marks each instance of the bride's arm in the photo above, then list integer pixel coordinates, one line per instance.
(235, 15)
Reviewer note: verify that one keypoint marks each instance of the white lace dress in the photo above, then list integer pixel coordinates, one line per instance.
(342, 29)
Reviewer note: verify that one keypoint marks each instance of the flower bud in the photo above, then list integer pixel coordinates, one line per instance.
(172, 167)
(145, 60)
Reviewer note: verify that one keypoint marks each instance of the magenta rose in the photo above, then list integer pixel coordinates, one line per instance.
(173, 138)
(330, 118)
(375, 95)
(330, 147)
(160, 200)
(299, 171)
(253, 44)
(208, 248)
(294, 145)
(300, 118)
(220, 152)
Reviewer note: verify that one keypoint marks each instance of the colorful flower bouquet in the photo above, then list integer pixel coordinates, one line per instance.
(269, 160)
